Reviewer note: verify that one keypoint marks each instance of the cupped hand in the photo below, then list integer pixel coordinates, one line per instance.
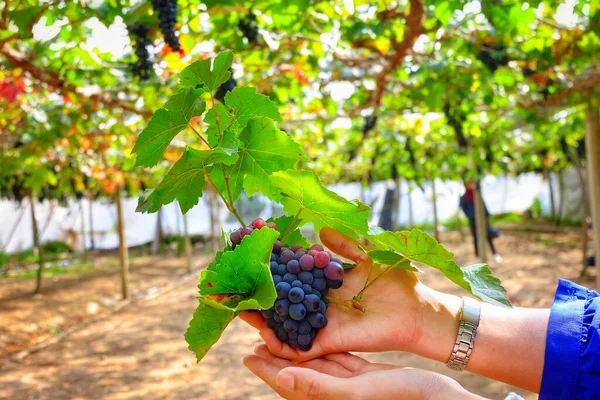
(400, 313)
(346, 376)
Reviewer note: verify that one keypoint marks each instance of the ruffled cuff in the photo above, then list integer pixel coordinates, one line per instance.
(572, 358)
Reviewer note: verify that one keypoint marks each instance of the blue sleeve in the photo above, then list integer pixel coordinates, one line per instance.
(572, 359)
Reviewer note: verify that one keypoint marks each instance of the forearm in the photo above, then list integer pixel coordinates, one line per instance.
(509, 345)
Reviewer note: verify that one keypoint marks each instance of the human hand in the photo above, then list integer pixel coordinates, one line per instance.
(344, 375)
(401, 313)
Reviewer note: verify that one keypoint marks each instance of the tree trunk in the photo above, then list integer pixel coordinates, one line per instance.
(92, 243)
(411, 223)
(436, 228)
(480, 224)
(398, 197)
(561, 194)
(187, 241)
(551, 188)
(157, 234)
(459, 224)
(37, 251)
(83, 238)
(592, 142)
(123, 254)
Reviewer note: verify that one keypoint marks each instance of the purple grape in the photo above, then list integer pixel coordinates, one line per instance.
(273, 267)
(316, 319)
(279, 318)
(322, 258)
(293, 266)
(282, 288)
(246, 231)
(277, 247)
(286, 256)
(272, 324)
(333, 271)
(307, 262)
(322, 306)
(293, 335)
(294, 343)
(311, 302)
(317, 247)
(335, 284)
(281, 270)
(289, 278)
(276, 279)
(307, 288)
(273, 257)
(303, 327)
(235, 237)
(297, 311)
(319, 284)
(297, 283)
(296, 295)
(282, 307)
(281, 333)
(290, 326)
(304, 339)
(299, 254)
(318, 273)
(295, 248)
(268, 313)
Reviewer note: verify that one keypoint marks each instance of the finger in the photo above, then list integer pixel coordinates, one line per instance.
(263, 352)
(348, 361)
(308, 383)
(253, 318)
(267, 372)
(343, 245)
(327, 367)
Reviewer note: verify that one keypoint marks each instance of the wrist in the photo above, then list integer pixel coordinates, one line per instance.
(438, 320)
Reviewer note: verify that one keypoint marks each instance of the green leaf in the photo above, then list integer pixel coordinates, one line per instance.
(265, 149)
(244, 272)
(200, 73)
(218, 119)
(391, 258)
(294, 238)
(247, 104)
(303, 191)
(208, 323)
(165, 124)
(418, 246)
(185, 181)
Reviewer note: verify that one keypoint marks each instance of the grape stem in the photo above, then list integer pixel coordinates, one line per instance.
(230, 207)
(360, 294)
(352, 304)
(293, 225)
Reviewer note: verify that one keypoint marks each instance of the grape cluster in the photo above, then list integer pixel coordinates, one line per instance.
(167, 16)
(227, 86)
(302, 279)
(249, 28)
(142, 67)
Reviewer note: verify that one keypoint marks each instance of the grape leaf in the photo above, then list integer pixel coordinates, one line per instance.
(235, 280)
(208, 323)
(218, 118)
(200, 74)
(165, 124)
(387, 257)
(265, 149)
(302, 192)
(185, 181)
(294, 238)
(417, 245)
(247, 104)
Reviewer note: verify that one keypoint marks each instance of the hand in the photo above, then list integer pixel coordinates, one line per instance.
(345, 376)
(401, 313)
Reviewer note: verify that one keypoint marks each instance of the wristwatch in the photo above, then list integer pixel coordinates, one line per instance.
(470, 315)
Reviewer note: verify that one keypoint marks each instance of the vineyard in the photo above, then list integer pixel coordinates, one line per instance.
(169, 168)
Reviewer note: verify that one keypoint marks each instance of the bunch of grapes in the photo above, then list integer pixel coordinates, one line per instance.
(227, 86)
(249, 28)
(142, 68)
(302, 279)
(167, 16)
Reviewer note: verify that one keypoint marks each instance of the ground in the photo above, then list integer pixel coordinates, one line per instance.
(136, 350)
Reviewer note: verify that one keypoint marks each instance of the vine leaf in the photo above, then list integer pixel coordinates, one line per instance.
(246, 104)
(418, 246)
(265, 149)
(218, 118)
(165, 124)
(185, 181)
(200, 74)
(236, 280)
(387, 257)
(302, 191)
(295, 237)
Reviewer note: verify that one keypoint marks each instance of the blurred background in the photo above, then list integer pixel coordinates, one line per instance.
(445, 115)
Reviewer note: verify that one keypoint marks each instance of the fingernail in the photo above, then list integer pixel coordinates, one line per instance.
(285, 380)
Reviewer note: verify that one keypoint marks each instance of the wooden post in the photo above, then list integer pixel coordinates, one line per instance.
(410, 207)
(436, 228)
(37, 251)
(592, 144)
(83, 238)
(187, 244)
(480, 223)
(156, 240)
(551, 189)
(123, 254)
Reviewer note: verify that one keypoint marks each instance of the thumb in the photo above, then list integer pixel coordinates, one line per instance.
(312, 384)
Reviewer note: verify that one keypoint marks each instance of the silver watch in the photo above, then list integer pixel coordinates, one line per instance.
(470, 315)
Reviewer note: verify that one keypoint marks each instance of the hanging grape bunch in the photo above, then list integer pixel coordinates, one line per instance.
(142, 67)
(228, 86)
(249, 28)
(302, 279)
(167, 16)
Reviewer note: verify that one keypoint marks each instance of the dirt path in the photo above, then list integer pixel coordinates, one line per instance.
(139, 352)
